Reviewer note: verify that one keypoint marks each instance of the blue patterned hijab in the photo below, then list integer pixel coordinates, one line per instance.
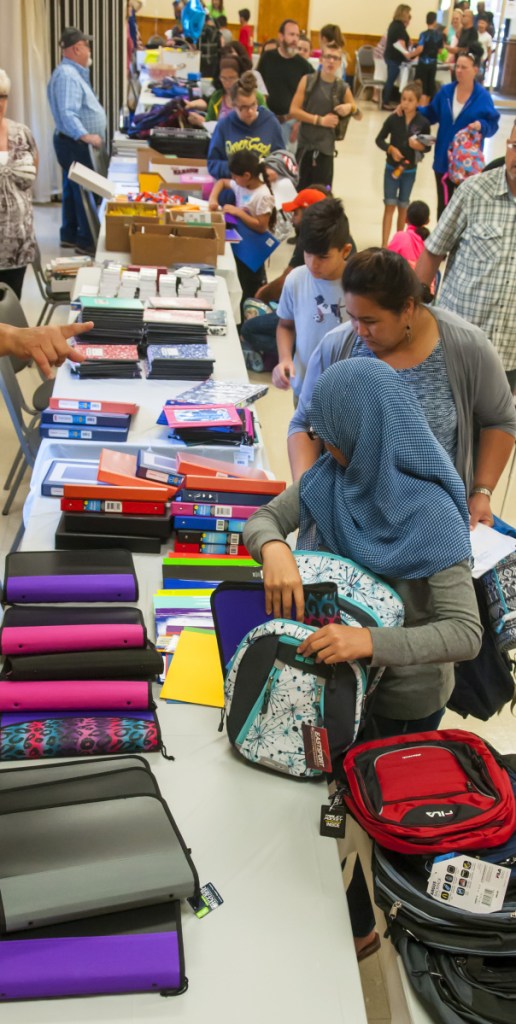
(399, 507)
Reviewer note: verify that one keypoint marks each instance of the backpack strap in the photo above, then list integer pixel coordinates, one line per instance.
(311, 82)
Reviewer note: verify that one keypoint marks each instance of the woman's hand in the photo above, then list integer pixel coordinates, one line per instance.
(479, 510)
(395, 153)
(196, 119)
(282, 582)
(335, 643)
(329, 121)
(475, 126)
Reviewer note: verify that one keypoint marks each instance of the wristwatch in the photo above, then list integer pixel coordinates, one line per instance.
(482, 490)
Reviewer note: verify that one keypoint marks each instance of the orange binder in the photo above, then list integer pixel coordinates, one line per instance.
(103, 492)
(119, 468)
(235, 484)
(208, 467)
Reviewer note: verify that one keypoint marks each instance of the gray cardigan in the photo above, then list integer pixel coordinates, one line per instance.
(442, 624)
(477, 380)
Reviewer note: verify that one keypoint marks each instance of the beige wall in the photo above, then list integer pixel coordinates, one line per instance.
(163, 9)
(369, 18)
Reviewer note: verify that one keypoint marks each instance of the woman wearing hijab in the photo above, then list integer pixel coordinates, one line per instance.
(386, 495)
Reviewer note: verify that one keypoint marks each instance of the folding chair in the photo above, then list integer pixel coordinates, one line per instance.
(51, 299)
(366, 76)
(27, 433)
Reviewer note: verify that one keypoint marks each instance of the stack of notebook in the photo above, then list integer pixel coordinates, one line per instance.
(76, 680)
(87, 420)
(118, 507)
(221, 424)
(92, 869)
(117, 321)
(179, 362)
(107, 360)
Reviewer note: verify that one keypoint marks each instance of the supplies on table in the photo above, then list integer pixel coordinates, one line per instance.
(165, 244)
(451, 917)
(112, 360)
(119, 506)
(62, 272)
(70, 423)
(109, 283)
(179, 362)
(76, 680)
(215, 392)
(117, 320)
(217, 424)
(181, 325)
(108, 920)
(184, 606)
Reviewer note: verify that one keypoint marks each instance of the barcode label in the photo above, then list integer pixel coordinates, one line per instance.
(113, 506)
(487, 897)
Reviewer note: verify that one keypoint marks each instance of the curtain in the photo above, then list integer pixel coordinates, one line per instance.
(25, 56)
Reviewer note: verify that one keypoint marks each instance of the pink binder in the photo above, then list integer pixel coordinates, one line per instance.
(76, 695)
(54, 639)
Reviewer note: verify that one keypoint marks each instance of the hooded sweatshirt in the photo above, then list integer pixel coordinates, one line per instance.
(231, 134)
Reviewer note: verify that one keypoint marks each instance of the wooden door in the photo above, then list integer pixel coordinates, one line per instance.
(271, 15)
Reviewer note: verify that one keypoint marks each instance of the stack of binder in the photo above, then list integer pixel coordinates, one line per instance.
(117, 507)
(221, 424)
(86, 420)
(76, 680)
(92, 871)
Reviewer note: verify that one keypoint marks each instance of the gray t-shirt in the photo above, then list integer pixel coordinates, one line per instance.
(316, 307)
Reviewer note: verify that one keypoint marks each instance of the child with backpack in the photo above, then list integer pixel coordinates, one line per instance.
(398, 138)
(254, 206)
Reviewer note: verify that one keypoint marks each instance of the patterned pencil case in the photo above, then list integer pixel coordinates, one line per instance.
(76, 695)
(28, 736)
(500, 590)
(38, 577)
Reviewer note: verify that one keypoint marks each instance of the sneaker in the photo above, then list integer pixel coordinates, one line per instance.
(253, 360)
(67, 245)
(85, 250)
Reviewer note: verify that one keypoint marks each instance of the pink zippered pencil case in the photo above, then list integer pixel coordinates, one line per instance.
(54, 639)
(76, 695)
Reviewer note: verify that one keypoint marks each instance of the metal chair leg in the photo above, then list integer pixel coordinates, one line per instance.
(14, 489)
(42, 314)
(17, 540)
(13, 469)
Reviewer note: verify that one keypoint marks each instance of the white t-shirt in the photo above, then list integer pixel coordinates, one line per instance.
(486, 42)
(4, 156)
(456, 106)
(316, 307)
(254, 201)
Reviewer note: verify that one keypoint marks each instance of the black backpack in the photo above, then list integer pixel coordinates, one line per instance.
(338, 91)
(210, 47)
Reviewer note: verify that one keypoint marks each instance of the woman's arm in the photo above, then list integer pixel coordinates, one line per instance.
(495, 448)
(265, 536)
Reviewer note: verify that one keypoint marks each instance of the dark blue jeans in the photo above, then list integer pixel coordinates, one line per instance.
(360, 909)
(259, 333)
(74, 225)
(393, 70)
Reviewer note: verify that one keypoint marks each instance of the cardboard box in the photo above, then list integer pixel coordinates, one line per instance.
(154, 245)
(201, 218)
(170, 170)
(120, 216)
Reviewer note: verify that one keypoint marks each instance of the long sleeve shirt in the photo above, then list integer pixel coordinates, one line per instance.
(75, 108)
(442, 623)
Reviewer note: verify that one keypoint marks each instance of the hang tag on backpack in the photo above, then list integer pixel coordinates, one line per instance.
(209, 899)
(317, 747)
(333, 821)
(470, 884)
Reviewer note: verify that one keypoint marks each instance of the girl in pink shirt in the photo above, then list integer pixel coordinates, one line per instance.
(411, 242)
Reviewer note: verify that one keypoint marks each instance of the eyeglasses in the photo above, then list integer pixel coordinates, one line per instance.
(248, 106)
(331, 56)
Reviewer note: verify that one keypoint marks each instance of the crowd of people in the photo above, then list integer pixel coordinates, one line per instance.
(404, 415)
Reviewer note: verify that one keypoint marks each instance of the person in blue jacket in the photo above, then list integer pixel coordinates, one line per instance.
(248, 126)
(462, 104)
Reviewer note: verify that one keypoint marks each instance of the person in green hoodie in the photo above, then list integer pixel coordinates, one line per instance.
(220, 103)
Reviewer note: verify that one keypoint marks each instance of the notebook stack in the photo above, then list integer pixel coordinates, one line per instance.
(87, 420)
(111, 360)
(111, 347)
(210, 424)
(76, 680)
(210, 521)
(92, 871)
(219, 392)
(119, 507)
(179, 362)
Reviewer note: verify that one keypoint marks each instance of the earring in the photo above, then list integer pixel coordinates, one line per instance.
(408, 333)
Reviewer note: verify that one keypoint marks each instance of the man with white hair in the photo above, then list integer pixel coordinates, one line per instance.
(80, 122)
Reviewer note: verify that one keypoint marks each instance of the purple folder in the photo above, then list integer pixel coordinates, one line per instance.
(35, 577)
(134, 951)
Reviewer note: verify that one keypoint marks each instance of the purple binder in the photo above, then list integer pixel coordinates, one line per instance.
(134, 951)
(46, 576)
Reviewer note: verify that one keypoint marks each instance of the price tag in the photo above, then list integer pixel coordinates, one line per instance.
(467, 883)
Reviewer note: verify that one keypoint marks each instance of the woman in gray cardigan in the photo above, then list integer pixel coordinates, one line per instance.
(386, 495)
(453, 369)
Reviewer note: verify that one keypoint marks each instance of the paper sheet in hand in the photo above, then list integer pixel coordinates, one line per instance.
(195, 675)
(489, 547)
(283, 191)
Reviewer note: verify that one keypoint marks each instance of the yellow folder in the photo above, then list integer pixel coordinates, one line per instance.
(195, 674)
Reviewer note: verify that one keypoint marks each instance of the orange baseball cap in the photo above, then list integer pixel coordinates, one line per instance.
(307, 197)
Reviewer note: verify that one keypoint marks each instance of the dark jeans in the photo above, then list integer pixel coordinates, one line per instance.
(13, 278)
(360, 909)
(74, 225)
(393, 70)
(250, 281)
(259, 333)
(426, 74)
(444, 192)
(314, 169)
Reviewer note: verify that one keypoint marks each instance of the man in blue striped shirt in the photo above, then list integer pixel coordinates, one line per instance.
(80, 121)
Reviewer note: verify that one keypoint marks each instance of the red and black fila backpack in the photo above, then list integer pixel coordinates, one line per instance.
(430, 792)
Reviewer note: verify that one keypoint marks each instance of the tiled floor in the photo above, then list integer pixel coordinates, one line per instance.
(358, 181)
